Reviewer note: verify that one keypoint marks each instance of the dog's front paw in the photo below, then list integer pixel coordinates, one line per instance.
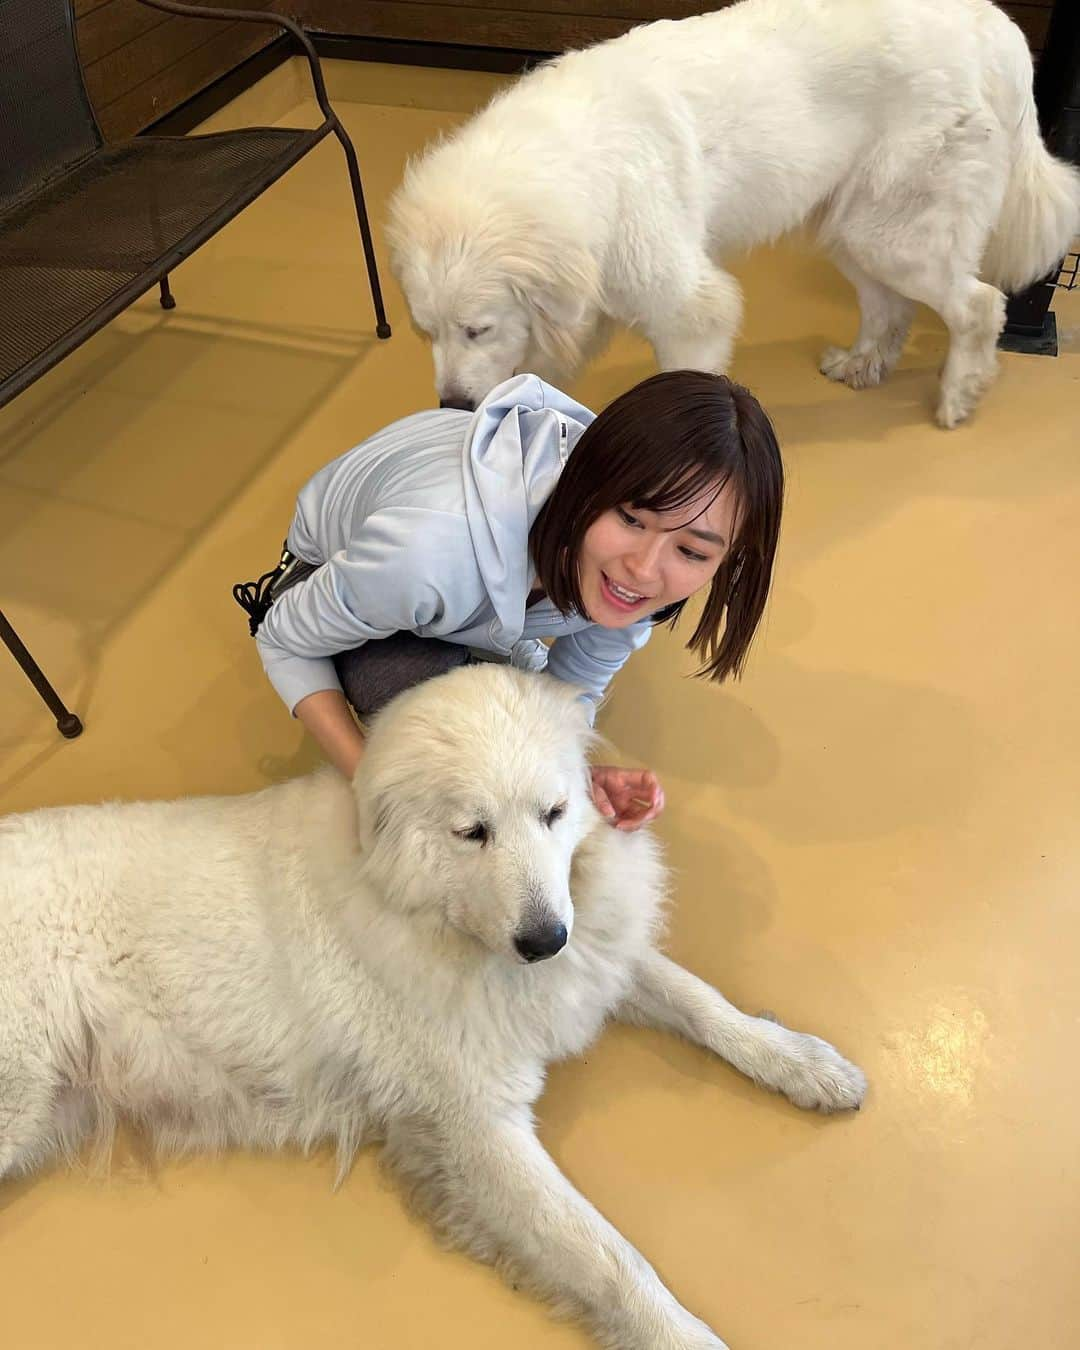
(954, 407)
(814, 1075)
(858, 370)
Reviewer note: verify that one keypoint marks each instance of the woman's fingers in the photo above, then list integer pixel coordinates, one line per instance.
(603, 802)
(629, 798)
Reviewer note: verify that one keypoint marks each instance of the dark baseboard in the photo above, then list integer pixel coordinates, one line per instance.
(441, 56)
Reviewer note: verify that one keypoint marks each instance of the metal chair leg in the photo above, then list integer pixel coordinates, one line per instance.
(382, 327)
(66, 722)
(167, 301)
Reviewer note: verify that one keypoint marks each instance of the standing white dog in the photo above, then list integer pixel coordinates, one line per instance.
(320, 962)
(609, 185)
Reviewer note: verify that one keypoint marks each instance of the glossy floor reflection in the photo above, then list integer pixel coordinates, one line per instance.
(874, 834)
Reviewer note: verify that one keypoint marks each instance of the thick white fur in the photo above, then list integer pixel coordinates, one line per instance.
(611, 184)
(318, 962)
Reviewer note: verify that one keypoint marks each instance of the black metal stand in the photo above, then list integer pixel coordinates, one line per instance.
(167, 301)
(1030, 325)
(66, 722)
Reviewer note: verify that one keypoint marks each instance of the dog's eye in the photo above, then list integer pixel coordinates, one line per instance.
(475, 834)
(473, 333)
(556, 813)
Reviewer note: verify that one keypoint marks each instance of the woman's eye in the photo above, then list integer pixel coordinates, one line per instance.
(475, 834)
(473, 333)
(694, 557)
(626, 517)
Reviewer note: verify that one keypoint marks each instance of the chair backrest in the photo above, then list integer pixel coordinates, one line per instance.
(46, 123)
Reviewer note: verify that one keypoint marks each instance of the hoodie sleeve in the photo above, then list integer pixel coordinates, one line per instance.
(590, 658)
(389, 579)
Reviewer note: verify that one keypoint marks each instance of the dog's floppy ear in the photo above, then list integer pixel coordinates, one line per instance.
(374, 817)
(381, 815)
(576, 711)
(558, 281)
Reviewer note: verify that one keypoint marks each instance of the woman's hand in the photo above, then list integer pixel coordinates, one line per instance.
(628, 798)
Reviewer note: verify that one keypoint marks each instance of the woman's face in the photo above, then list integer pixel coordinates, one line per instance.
(634, 562)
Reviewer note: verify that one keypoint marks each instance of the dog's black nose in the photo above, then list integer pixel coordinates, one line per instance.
(464, 404)
(541, 942)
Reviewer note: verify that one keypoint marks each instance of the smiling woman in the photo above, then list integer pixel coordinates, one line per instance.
(452, 537)
(678, 485)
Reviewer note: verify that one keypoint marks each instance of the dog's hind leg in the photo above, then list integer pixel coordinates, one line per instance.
(884, 320)
(490, 1187)
(697, 329)
(924, 237)
(975, 314)
(808, 1071)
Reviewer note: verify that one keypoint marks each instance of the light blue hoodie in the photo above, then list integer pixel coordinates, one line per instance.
(424, 528)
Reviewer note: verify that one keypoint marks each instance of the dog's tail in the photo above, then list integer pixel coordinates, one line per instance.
(1040, 216)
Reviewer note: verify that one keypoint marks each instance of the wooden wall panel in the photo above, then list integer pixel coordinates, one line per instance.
(140, 64)
(535, 25)
(480, 23)
(543, 25)
(636, 11)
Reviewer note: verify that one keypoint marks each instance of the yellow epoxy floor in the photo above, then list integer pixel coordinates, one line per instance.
(875, 833)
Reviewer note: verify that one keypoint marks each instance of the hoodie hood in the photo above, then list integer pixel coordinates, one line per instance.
(515, 450)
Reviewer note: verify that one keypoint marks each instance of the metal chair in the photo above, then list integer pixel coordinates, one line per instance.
(87, 227)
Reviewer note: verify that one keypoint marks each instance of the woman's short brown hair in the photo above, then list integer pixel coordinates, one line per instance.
(658, 447)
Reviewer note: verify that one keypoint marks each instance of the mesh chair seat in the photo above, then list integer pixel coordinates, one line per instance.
(86, 228)
(84, 246)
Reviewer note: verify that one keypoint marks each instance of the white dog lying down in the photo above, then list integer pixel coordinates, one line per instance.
(317, 962)
(610, 184)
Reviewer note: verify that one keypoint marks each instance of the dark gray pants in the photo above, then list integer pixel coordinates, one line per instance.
(372, 674)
